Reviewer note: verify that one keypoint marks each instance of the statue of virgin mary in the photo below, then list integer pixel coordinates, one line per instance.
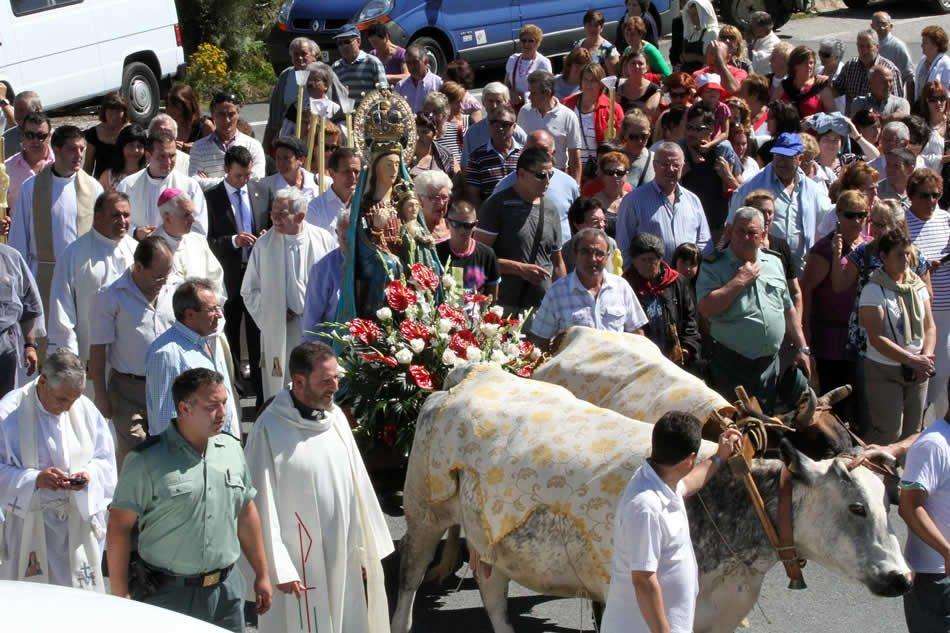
(387, 231)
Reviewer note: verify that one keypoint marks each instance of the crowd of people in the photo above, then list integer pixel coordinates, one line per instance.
(769, 216)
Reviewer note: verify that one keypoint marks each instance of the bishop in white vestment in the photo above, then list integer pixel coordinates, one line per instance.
(144, 187)
(275, 284)
(57, 477)
(192, 254)
(89, 264)
(321, 520)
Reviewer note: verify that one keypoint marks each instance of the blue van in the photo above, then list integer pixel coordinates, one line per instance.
(484, 33)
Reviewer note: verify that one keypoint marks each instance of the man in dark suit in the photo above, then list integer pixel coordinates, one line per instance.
(238, 212)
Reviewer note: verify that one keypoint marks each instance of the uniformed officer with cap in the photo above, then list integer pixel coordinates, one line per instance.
(190, 492)
(743, 293)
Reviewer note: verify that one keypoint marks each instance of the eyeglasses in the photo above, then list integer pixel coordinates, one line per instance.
(503, 124)
(525, 40)
(637, 136)
(855, 215)
(440, 197)
(698, 127)
(616, 173)
(679, 94)
(462, 226)
(543, 175)
(930, 195)
(36, 136)
(727, 38)
(825, 54)
(937, 98)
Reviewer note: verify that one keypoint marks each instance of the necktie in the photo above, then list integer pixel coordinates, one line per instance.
(244, 218)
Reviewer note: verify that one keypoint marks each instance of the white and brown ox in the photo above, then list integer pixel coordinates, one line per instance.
(534, 475)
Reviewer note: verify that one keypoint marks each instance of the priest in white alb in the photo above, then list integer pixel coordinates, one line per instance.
(89, 264)
(57, 477)
(275, 284)
(54, 207)
(323, 527)
(145, 186)
(193, 256)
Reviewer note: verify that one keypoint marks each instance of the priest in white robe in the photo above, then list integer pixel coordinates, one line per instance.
(57, 477)
(275, 284)
(315, 495)
(144, 187)
(54, 207)
(193, 256)
(86, 266)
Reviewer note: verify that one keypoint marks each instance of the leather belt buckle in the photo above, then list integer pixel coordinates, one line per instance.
(211, 579)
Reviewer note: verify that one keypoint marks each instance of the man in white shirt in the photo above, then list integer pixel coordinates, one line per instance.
(546, 112)
(127, 316)
(344, 165)
(193, 256)
(925, 507)
(207, 154)
(145, 186)
(54, 207)
(762, 42)
(654, 578)
(87, 265)
(289, 156)
(164, 123)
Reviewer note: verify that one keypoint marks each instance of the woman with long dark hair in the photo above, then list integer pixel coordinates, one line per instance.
(129, 156)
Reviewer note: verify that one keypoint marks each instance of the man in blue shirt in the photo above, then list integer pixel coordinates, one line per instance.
(193, 342)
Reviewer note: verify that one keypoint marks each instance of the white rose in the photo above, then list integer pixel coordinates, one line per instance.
(498, 356)
(424, 309)
(404, 356)
(448, 282)
(449, 357)
(473, 353)
(536, 353)
(445, 325)
(512, 350)
(489, 329)
(497, 310)
(384, 314)
(417, 345)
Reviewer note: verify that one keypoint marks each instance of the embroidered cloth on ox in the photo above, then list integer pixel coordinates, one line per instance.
(628, 374)
(529, 446)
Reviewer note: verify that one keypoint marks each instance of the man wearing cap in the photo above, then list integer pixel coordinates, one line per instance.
(762, 42)
(855, 74)
(289, 156)
(743, 293)
(359, 71)
(207, 154)
(894, 49)
(800, 202)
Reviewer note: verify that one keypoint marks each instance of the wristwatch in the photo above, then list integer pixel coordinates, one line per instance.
(804, 349)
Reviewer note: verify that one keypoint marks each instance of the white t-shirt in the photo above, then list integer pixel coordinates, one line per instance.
(875, 295)
(561, 122)
(928, 467)
(651, 533)
(517, 70)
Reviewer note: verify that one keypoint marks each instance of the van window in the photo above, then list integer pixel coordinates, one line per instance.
(23, 7)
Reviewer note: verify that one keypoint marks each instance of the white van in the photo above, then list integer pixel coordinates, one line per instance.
(70, 51)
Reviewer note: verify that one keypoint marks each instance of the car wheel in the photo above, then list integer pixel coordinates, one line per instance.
(140, 89)
(437, 57)
(942, 6)
(737, 12)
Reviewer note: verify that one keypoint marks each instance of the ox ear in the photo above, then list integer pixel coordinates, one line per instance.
(801, 466)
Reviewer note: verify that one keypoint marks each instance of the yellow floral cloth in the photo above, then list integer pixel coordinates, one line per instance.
(529, 445)
(628, 374)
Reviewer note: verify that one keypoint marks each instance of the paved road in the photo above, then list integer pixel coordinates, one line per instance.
(830, 604)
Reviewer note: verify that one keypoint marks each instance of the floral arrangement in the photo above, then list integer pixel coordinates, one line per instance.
(392, 363)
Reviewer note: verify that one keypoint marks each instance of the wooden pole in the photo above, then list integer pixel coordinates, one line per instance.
(4, 188)
(311, 133)
(321, 151)
(611, 132)
(300, 90)
(350, 140)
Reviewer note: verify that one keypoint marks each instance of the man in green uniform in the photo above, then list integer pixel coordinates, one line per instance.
(190, 492)
(743, 293)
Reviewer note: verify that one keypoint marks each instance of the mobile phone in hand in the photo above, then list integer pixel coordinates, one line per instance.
(76, 481)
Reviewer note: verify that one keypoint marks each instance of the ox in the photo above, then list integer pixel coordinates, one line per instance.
(534, 475)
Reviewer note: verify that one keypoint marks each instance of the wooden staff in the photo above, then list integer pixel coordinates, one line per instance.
(349, 130)
(611, 133)
(321, 151)
(4, 188)
(300, 91)
(311, 133)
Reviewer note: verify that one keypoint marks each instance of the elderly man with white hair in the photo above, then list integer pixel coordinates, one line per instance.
(894, 49)
(275, 284)
(192, 254)
(303, 52)
(164, 123)
(478, 134)
(145, 186)
(57, 477)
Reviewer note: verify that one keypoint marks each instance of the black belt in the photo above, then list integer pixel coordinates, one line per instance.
(208, 579)
(733, 357)
(132, 376)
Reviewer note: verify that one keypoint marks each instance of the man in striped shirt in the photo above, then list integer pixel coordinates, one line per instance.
(359, 71)
(496, 159)
(929, 228)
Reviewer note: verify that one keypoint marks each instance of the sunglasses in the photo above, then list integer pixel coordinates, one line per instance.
(36, 136)
(616, 173)
(503, 124)
(855, 215)
(937, 98)
(930, 195)
(679, 94)
(225, 97)
(462, 226)
(638, 137)
(824, 54)
(528, 41)
(543, 175)
(698, 128)
(727, 38)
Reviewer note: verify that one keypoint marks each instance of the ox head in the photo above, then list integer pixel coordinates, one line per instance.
(818, 432)
(840, 522)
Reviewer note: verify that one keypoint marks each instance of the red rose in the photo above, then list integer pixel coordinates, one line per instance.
(491, 317)
(423, 275)
(413, 329)
(398, 296)
(389, 434)
(461, 341)
(421, 377)
(526, 371)
(525, 348)
(452, 314)
(365, 331)
(376, 357)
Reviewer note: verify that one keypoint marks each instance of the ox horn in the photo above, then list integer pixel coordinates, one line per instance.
(834, 396)
(801, 416)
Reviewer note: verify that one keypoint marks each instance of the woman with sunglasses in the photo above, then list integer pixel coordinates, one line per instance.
(634, 31)
(472, 264)
(736, 52)
(679, 89)
(522, 64)
(612, 170)
(447, 133)
(588, 213)
(427, 154)
(635, 136)
(830, 52)
(129, 157)
(636, 91)
(826, 311)
(593, 110)
(933, 107)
